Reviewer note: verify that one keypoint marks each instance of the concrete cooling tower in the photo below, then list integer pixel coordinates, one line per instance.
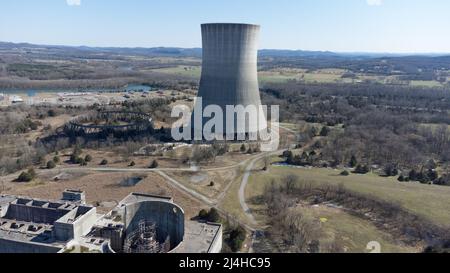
(229, 75)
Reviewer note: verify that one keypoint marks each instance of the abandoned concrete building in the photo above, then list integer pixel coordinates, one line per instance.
(140, 223)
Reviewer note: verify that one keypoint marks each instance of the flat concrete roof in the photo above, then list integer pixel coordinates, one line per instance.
(30, 231)
(39, 233)
(198, 237)
(5, 200)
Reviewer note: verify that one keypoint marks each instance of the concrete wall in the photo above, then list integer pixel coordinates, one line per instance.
(34, 214)
(169, 219)
(74, 196)
(84, 224)
(65, 231)
(11, 246)
(114, 235)
(3, 210)
(216, 245)
(229, 71)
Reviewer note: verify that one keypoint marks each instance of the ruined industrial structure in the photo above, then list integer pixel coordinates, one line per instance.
(116, 123)
(229, 77)
(139, 224)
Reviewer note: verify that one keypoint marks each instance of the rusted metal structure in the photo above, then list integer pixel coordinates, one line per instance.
(134, 122)
(145, 240)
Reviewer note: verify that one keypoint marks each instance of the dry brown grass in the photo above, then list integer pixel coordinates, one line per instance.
(105, 187)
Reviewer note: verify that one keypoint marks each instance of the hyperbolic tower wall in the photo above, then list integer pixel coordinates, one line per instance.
(229, 71)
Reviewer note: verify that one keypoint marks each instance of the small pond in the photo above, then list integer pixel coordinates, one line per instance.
(131, 181)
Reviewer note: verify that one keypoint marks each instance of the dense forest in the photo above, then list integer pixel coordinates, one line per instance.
(376, 124)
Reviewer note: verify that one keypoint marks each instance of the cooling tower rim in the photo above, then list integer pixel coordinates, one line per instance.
(231, 24)
(154, 202)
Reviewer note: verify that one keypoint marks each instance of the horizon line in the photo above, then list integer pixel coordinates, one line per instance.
(349, 52)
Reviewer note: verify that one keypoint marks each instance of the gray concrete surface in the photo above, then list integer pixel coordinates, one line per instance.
(229, 73)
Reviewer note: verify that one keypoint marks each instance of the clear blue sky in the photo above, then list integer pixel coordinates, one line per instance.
(336, 25)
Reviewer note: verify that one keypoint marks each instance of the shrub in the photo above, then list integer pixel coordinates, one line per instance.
(51, 164)
(132, 164)
(287, 154)
(390, 170)
(74, 159)
(220, 149)
(51, 113)
(432, 175)
(401, 178)
(56, 159)
(88, 158)
(212, 184)
(237, 238)
(443, 181)
(423, 177)
(77, 151)
(243, 148)
(201, 154)
(154, 165)
(104, 162)
(40, 159)
(24, 177)
(413, 175)
(203, 214)
(83, 162)
(362, 169)
(213, 215)
(353, 161)
(27, 176)
(325, 131)
(32, 172)
(345, 173)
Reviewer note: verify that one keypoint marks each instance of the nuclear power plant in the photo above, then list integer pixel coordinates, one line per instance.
(229, 77)
(140, 223)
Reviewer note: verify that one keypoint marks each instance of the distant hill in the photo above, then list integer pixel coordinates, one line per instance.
(156, 51)
(197, 52)
(295, 53)
(410, 67)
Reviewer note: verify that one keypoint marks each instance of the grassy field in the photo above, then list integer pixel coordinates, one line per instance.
(230, 202)
(431, 202)
(318, 76)
(201, 181)
(187, 71)
(276, 76)
(321, 76)
(426, 83)
(351, 232)
(432, 126)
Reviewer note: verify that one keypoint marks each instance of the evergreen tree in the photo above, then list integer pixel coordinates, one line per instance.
(353, 161)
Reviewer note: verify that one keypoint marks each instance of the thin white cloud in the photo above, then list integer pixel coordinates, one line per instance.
(73, 2)
(374, 2)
